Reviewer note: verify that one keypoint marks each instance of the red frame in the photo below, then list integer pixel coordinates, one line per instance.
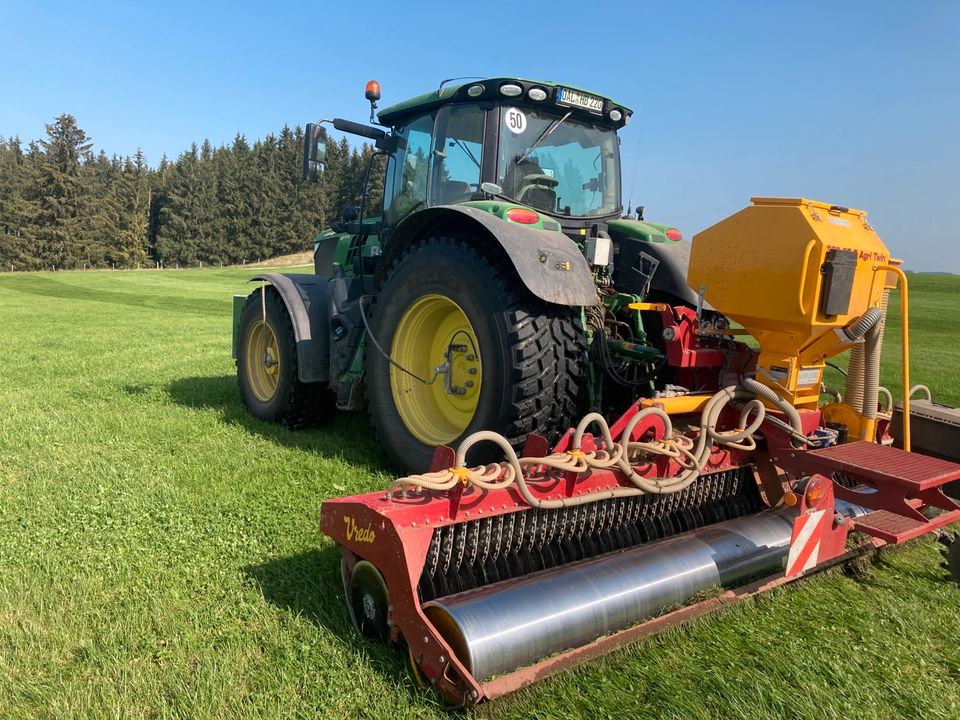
(395, 533)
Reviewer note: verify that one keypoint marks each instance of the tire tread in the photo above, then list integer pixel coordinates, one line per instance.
(547, 346)
(307, 403)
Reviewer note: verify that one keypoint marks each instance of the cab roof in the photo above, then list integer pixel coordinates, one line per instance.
(451, 92)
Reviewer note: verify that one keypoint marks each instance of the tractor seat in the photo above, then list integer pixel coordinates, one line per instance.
(453, 191)
(538, 192)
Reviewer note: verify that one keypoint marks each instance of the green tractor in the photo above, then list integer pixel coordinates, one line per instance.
(492, 290)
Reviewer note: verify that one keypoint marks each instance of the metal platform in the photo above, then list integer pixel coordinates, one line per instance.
(894, 529)
(899, 485)
(875, 464)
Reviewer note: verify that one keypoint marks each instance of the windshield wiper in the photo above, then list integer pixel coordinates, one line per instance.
(543, 136)
(467, 151)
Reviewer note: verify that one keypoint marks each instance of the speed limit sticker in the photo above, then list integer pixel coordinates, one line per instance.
(515, 120)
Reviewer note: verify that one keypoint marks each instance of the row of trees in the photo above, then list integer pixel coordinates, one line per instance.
(63, 206)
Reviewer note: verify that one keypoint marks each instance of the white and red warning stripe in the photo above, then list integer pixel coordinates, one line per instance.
(808, 530)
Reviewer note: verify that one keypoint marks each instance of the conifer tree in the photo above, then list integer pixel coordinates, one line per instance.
(62, 205)
(61, 198)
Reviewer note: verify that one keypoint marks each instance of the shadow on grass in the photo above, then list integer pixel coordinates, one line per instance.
(347, 435)
(33, 284)
(308, 585)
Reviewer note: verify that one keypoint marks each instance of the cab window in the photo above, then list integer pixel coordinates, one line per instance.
(409, 169)
(459, 151)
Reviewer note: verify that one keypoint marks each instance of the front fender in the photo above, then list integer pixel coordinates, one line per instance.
(306, 298)
(549, 264)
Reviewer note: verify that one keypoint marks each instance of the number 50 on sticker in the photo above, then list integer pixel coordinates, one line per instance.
(515, 121)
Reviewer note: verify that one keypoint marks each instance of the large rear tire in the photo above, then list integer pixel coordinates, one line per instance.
(515, 364)
(267, 369)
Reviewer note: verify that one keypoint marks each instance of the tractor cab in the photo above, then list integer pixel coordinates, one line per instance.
(547, 147)
(544, 146)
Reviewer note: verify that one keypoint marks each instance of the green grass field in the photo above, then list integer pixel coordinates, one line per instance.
(160, 554)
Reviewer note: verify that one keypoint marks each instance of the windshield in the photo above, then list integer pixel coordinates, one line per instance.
(573, 170)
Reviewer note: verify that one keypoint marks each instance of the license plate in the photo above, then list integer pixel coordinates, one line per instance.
(566, 96)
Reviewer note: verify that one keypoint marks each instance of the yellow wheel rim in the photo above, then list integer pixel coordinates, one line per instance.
(263, 361)
(435, 332)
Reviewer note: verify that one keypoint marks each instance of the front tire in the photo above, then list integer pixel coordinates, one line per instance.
(267, 369)
(514, 364)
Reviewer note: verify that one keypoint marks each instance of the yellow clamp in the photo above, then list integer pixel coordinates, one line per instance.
(577, 453)
(658, 307)
(462, 473)
(668, 441)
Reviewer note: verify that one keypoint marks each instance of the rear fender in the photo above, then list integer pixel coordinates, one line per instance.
(306, 298)
(549, 264)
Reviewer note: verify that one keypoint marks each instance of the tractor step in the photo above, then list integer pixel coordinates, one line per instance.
(880, 464)
(899, 484)
(894, 529)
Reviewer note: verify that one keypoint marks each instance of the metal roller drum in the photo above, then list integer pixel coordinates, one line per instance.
(502, 627)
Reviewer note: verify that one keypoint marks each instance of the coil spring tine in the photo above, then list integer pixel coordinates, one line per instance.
(560, 537)
(541, 536)
(473, 542)
(593, 521)
(496, 536)
(598, 523)
(426, 586)
(486, 568)
(533, 536)
(459, 544)
(634, 520)
(479, 552)
(468, 575)
(576, 531)
(506, 542)
(536, 537)
(623, 524)
(485, 526)
(446, 549)
(517, 556)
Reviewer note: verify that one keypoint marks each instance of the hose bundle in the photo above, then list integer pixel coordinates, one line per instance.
(625, 455)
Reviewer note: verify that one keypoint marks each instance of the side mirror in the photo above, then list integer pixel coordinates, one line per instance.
(314, 152)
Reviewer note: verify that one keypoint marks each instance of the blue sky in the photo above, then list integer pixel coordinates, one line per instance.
(855, 103)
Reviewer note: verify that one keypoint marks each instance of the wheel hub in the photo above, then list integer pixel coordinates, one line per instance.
(270, 362)
(369, 599)
(369, 607)
(263, 376)
(460, 370)
(434, 337)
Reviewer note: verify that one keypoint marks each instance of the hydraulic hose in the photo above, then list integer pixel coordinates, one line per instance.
(866, 322)
(691, 457)
(769, 394)
(832, 392)
(693, 461)
(514, 474)
(871, 365)
(887, 397)
(853, 390)
(857, 382)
